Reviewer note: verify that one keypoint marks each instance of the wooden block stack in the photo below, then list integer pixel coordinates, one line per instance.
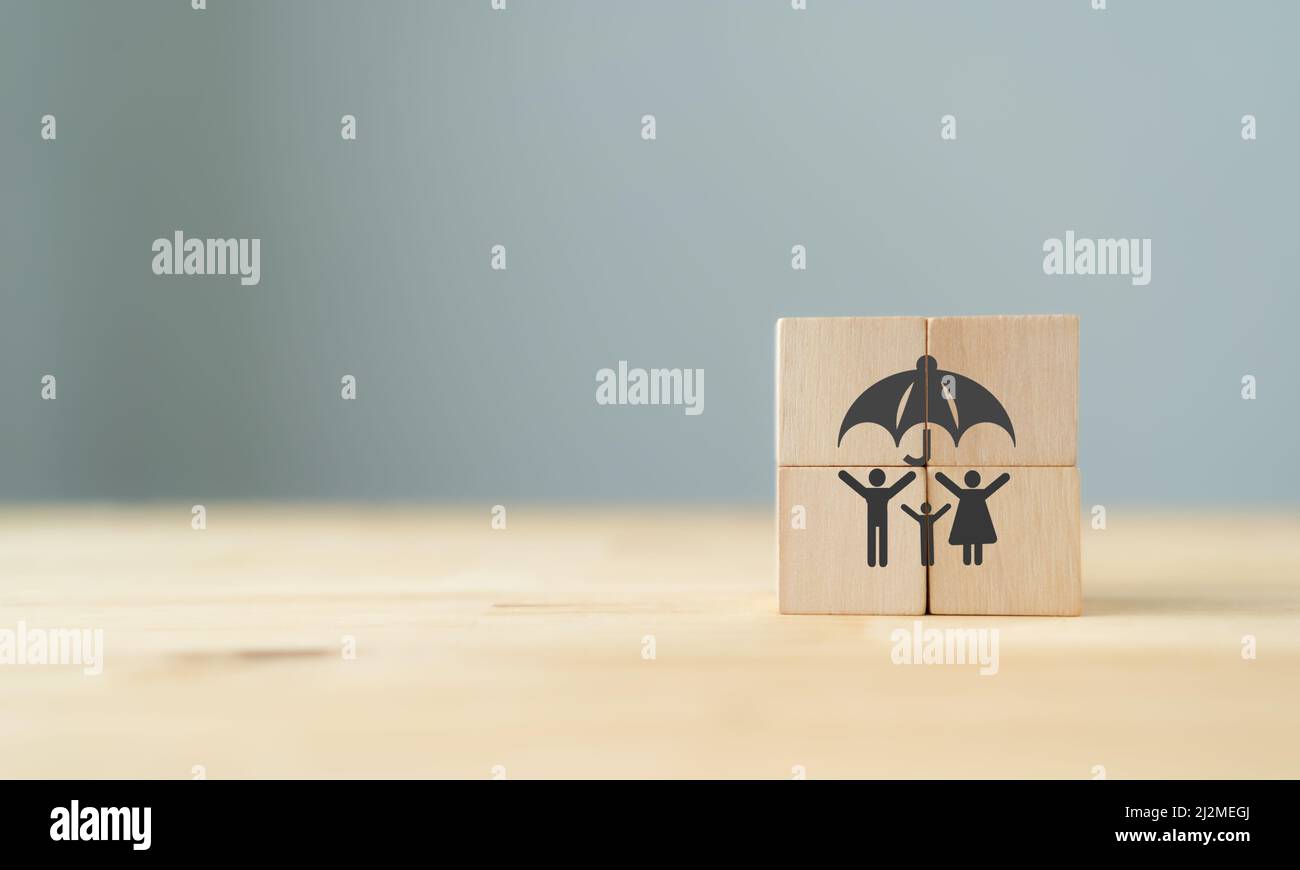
(928, 465)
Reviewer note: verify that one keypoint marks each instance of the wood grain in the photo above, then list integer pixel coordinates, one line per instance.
(823, 566)
(1031, 364)
(523, 648)
(1033, 569)
(823, 365)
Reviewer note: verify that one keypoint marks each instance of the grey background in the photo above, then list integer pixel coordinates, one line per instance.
(522, 127)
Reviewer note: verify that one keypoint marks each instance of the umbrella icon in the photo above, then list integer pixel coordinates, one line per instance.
(956, 403)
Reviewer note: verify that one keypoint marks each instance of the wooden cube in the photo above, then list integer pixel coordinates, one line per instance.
(991, 526)
(823, 365)
(823, 547)
(1009, 543)
(1013, 394)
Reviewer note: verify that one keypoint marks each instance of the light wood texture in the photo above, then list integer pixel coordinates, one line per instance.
(1033, 569)
(1031, 364)
(824, 566)
(823, 365)
(522, 648)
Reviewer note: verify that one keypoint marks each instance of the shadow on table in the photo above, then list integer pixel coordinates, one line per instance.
(1176, 605)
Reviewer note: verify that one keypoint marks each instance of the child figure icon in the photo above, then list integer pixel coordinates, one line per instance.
(927, 521)
(972, 527)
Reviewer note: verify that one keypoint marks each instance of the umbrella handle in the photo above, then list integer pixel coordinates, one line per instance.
(925, 451)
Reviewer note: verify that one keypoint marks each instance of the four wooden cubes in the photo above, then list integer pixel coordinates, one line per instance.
(928, 464)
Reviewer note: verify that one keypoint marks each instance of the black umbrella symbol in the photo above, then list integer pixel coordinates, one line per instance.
(949, 392)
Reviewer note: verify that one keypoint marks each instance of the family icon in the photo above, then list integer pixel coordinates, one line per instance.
(972, 525)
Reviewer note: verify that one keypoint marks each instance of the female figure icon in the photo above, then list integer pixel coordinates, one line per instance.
(972, 527)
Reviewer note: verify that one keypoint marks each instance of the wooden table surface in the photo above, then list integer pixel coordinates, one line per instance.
(520, 651)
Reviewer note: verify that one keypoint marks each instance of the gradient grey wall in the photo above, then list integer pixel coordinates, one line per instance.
(522, 127)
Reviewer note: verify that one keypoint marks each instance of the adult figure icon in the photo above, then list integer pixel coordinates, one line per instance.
(972, 527)
(877, 497)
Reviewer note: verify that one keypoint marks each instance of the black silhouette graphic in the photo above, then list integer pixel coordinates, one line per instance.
(877, 497)
(972, 527)
(926, 520)
(955, 402)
